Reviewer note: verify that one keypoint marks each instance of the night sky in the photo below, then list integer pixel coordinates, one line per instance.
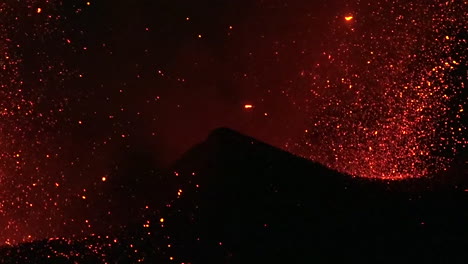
(369, 88)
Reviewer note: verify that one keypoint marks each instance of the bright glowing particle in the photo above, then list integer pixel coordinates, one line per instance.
(248, 106)
(39, 10)
(348, 18)
(104, 179)
(161, 220)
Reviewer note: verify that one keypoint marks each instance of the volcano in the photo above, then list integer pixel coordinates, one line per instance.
(234, 199)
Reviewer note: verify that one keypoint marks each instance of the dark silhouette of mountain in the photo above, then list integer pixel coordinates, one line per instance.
(265, 205)
(233, 199)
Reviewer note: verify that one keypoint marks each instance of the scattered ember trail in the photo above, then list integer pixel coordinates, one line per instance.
(29, 191)
(385, 99)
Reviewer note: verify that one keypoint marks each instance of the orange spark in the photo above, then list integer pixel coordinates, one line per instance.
(348, 18)
(248, 106)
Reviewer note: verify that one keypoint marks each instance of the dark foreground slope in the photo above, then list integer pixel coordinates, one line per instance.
(257, 204)
(237, 200)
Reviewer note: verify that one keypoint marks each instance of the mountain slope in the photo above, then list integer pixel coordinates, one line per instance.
(255, 203)
(233, 199)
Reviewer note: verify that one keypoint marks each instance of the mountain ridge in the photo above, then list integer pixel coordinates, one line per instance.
(234, 199)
